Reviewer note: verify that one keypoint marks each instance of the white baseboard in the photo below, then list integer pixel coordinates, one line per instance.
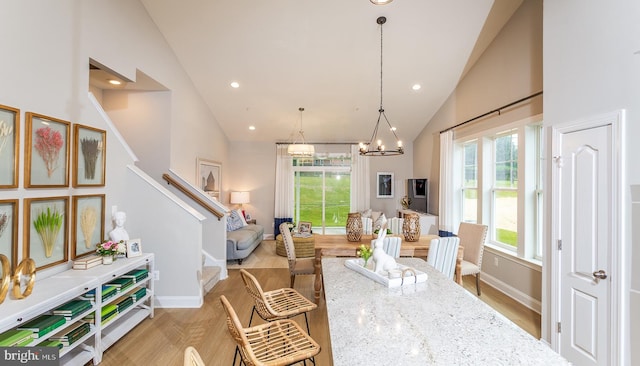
(178, 301)
(512, 292)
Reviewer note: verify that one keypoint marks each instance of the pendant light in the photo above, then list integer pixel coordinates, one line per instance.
(303, 149)
(379, 149)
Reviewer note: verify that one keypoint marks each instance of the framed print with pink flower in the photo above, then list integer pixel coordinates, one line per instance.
(89, 152)
(9, 143)
(46, 152)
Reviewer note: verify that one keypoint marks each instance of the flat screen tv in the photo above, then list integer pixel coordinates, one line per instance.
(418, 193)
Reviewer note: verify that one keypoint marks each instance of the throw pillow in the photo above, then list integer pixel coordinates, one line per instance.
(244, 221)
(234, 222)
(380, 221)
(366, 213)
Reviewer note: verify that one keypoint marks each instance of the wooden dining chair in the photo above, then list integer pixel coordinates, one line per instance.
(443, 253)
(280, 342)
(297, 266)
(472, 238)
(283, 303)
(192, 357)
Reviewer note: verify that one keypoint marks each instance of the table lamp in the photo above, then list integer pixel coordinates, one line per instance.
(238, 198)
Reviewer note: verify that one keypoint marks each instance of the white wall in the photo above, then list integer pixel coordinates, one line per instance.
(591, 67)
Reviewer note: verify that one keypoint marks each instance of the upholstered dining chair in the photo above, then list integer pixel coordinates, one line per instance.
(472, 238)
(192, 357)
(280, 342)
(443, 253)
(391, 245)
(283, 303)
(297, 266)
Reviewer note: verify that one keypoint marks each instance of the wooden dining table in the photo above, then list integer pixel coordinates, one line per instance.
(339, 246)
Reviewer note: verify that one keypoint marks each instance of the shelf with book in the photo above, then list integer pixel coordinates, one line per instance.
(70, 299)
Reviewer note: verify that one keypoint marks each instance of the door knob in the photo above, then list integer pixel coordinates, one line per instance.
(600, 275)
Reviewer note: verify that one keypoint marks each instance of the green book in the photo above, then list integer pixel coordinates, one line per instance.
(109, 318)
(121, 282)
(43, 324)
(15, 336)
(73, 307)
(108, 310)
(137, 274)
(51, 343)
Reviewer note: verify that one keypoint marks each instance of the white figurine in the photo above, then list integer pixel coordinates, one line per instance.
(119, 233)
(382, 260)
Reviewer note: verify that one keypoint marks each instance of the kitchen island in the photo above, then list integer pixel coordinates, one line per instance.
(435, 322)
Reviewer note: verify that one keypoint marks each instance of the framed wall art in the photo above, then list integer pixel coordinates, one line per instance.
(134, 248)
(89, 156)
(46, 152)
(384, 185)
(87, 228)
(209, 177)
(304, 227)
(9, 230)
(46, 231)
(9, 146)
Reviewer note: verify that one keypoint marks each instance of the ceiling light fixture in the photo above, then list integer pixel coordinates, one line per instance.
(114, 82)
(380, 2)
(303, 149)
(379, 149)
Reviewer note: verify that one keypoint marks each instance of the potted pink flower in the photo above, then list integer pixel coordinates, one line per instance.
(109, 250)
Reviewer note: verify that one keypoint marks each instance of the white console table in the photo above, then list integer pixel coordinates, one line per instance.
(428, 222)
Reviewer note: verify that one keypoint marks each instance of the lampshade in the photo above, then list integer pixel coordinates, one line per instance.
(238, 198)
(303, 149)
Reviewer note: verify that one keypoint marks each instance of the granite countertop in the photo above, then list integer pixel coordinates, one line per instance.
(436, 322)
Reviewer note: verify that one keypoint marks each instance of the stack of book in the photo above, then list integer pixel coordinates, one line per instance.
(43, 324)
(137, 274)
(15, 338)
(107, 293)
(51, 343)
(124, 303)
(72, 334)
(73, 308)
(139, 294)
(87, 262)
(108, 312)
(121, 283)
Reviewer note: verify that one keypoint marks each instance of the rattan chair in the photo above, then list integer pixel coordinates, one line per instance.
(277, 304)
(302, 266)
(280, 342)
(192, 357)
(472, 237)
(443, 253)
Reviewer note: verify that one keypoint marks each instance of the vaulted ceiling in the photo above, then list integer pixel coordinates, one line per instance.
(325, 56)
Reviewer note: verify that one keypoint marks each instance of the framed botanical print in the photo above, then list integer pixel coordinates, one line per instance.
(89, 156)
(46, 231)
(9, 146)
(209, 177)
(9, 230)
(87, 227)
(384, 185)
(46, 152)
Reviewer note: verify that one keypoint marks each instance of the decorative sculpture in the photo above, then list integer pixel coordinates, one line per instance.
(382, 260)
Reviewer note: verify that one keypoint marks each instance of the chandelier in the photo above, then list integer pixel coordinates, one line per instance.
(379, 149)
(302, 149)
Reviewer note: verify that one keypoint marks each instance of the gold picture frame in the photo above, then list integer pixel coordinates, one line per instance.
(48, 165)
(9, 146)
(89, 156)
(209, 177)
(87, 225)
(46, 246)
(9, 230)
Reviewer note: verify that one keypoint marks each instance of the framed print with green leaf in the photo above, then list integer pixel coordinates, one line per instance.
(9, 230)
(89, 153)
(9, 146)
(87, 227)
(46, 231)
(46, 152)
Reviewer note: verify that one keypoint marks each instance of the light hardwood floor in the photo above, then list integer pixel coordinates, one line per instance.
(162, 340)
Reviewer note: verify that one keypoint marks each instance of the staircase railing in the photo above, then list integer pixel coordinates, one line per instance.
(206, 205)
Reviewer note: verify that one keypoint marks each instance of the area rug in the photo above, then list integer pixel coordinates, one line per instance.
(264, 256)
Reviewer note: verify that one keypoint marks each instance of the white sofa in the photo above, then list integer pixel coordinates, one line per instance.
(369, 218)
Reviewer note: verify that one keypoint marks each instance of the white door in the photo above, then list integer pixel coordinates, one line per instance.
(585, 231)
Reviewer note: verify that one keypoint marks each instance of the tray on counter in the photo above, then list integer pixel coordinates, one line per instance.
(406, 275)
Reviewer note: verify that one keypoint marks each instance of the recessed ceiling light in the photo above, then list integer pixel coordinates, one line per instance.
(235, 84)
(252, 128)
(114, 82)
(416, 87)
(393, 128)
(380, 2)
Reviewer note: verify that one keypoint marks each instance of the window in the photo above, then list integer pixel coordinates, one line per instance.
(501, 185)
